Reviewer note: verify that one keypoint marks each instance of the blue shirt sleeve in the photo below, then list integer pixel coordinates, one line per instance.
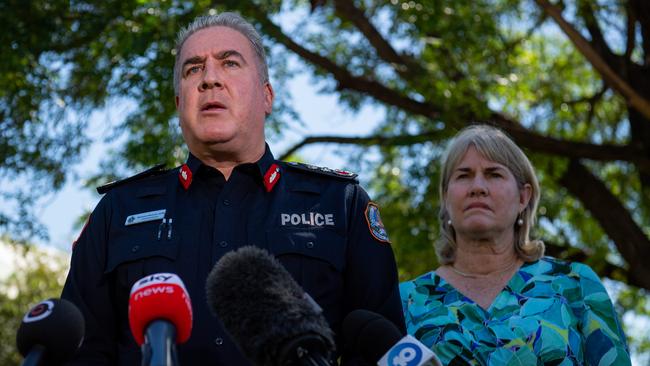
(604, 341)
(87, 287)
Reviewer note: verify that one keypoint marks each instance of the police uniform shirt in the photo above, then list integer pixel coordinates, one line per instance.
(320, 224)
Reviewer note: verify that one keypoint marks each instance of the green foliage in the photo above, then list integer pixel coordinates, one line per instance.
(36, 277)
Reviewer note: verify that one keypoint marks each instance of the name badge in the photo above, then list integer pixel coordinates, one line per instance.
(145, 217)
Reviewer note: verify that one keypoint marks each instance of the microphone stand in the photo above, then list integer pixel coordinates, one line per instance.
(307, 359)
(35, 356)
(159, 347)
(306, 350)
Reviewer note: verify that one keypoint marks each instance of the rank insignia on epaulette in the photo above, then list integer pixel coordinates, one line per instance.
(324, 170)
(375, 225)
(344, 173)
(156, 170)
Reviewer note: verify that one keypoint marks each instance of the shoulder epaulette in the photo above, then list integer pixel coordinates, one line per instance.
(337, 173)
(156, 170)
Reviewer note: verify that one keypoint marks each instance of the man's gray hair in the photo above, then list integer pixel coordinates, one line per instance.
(230, 20)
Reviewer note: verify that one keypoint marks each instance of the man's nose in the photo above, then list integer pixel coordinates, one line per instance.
(211, 77)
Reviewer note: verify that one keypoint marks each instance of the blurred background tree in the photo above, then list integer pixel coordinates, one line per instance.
(568, 80)
(37, 275)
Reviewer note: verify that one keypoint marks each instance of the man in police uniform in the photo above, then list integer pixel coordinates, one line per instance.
(231, 192)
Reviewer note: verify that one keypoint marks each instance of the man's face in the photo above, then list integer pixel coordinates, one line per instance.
(222, 102)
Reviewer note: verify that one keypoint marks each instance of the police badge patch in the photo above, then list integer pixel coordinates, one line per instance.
(375, 224)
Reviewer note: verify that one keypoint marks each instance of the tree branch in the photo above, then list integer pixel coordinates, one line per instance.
(608, 74)
(404, 65)
(522, 136)
(641, 9)
(390, 97)
(570, 149)
(398, 140)
(630, 41)
(597, 39)
(613, 217)
(343, 77)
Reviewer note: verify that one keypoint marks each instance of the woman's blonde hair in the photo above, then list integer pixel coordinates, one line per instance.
(494, 145)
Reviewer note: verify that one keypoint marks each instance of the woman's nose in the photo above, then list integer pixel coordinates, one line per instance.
(479, 187)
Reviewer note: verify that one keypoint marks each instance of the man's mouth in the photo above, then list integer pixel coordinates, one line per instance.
(212, 106)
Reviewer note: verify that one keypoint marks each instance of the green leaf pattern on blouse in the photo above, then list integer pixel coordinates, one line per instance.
(550, 313)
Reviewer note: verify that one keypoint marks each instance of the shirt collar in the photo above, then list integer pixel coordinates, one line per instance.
(266, 161)
(263, 164)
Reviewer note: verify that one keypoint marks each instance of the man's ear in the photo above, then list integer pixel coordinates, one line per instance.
(269, 95)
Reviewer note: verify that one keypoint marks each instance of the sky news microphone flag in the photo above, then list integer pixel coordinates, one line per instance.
(160, 316)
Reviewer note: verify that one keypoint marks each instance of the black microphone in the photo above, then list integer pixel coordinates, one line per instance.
(272, 319)
(50, 333)
(377, 340)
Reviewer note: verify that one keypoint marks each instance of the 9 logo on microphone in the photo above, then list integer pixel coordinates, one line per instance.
(405, 354)
(40, 311)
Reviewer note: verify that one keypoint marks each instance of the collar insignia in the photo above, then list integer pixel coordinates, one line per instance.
(185, 176)
(271, 177)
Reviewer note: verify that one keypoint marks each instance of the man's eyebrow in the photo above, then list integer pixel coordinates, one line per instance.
(193, 61)
(230, 53)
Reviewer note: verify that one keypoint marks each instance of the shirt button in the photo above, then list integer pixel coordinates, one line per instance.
(310, 244)
(223, 244)
(135, 248)
(218, 341)
(226, 202)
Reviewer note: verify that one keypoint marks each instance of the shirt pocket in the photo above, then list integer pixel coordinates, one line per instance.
(135, 251)
(314, 257)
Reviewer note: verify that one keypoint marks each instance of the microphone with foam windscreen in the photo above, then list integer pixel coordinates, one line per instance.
(272, 319)
(50, 333)
(160, 316)
(379, 341)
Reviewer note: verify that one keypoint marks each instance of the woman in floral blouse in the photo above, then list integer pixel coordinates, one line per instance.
(495, 299)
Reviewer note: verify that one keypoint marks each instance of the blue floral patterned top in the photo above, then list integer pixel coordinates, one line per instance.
(550, 313)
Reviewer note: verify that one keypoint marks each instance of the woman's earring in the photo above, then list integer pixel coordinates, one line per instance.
(448, 222)
(520, 221)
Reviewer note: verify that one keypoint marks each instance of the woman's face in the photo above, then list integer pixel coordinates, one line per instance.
(483, 199)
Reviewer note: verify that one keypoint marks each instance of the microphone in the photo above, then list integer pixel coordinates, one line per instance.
(272, 319)
(160, 316)
(50, 333)
(379, 341)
